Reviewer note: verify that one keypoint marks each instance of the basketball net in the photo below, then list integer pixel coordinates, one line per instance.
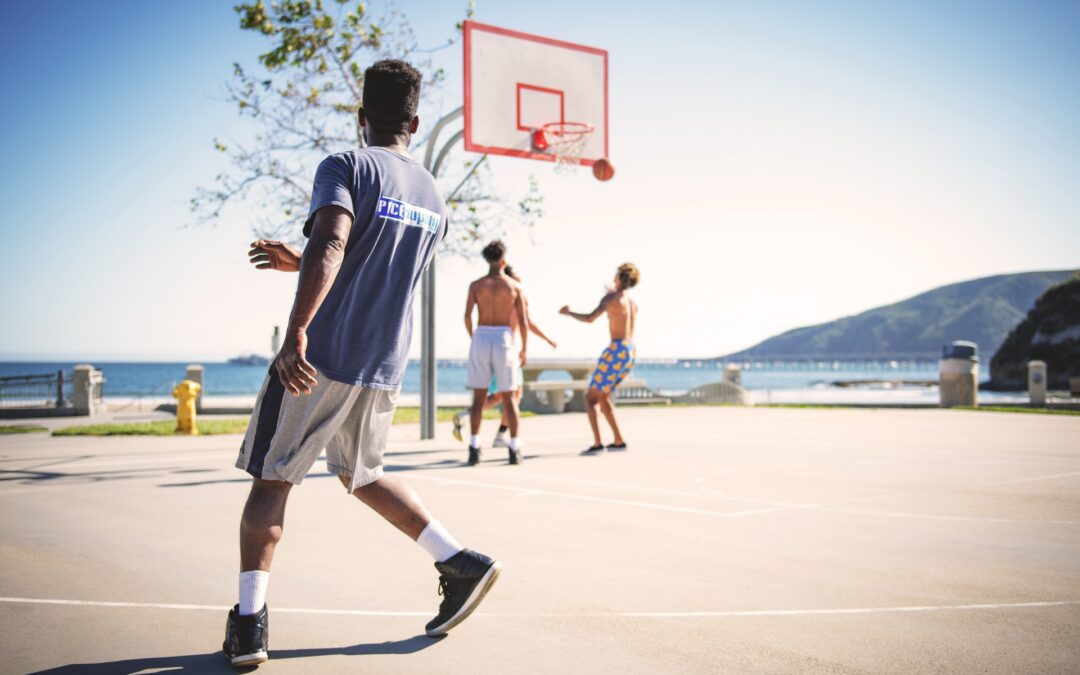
(565, 141)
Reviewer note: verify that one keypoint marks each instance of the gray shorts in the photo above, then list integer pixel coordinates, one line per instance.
(288, 433)
(493, 356)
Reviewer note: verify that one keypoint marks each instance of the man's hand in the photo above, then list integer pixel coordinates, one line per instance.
(523, 359)
(565, 309)
(266, 254)
(291, 364)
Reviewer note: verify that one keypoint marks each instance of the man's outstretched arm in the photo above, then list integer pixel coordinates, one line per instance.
(591, 316)
(535, 330)
(268, 254)
(318, 269)
(522, 310)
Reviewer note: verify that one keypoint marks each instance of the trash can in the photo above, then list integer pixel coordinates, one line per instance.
(1037, 383)
(958, 374)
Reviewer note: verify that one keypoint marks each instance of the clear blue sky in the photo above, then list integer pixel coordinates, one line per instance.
(779, 164)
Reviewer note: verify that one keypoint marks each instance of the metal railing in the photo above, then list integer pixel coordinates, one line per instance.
(34, 391)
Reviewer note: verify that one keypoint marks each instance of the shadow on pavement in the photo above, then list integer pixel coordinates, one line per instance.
(389, 468)
(216, 663)
(28, 477)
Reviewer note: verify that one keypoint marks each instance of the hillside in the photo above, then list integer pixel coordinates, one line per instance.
(1050, 332)
(982, 310)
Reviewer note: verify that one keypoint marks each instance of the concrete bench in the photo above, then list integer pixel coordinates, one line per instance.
(561, 395)
(717, 392)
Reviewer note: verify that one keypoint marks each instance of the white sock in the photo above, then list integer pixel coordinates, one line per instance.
(253, 591)
(474, 441)
(438, 542)
(513, 443)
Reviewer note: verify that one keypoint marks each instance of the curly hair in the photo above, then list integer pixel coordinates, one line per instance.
(494, 251)
(629, 276)
(391, 95)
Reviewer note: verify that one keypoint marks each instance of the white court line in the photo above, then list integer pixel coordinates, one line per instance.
(216, 608)
(854, 610)
(780, 506)
(1038, 478)
(936, 516)
(703, 492)
(599, 615)
(520, 491)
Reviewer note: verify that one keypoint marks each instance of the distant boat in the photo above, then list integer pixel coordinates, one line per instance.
(249, 360)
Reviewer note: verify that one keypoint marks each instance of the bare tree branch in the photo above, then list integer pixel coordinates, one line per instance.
(303, 106)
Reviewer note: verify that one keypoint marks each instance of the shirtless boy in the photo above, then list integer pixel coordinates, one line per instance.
(618, 357)
(498, 300)
(493, 398)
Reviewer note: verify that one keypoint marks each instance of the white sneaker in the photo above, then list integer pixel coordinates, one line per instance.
(500, 441)
(457, 427)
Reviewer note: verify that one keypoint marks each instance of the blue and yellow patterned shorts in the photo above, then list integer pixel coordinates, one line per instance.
(613, 366)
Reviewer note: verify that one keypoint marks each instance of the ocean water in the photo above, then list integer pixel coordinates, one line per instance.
(785, 381)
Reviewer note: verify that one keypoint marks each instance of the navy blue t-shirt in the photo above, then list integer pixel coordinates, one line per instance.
(361, 333)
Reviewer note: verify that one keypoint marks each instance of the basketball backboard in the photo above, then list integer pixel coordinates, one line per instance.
(516, 83)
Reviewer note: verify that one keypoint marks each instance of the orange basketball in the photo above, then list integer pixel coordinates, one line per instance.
(603, 169)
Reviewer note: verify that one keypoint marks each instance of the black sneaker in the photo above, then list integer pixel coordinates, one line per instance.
(246, 637)
(515, 455)
(464, 580)
(617, 447)
(474, 456)
(594, 450)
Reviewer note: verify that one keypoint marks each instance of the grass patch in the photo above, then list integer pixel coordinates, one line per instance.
(21, 428)
(1021, 409)
(212, 427)
(207, 427)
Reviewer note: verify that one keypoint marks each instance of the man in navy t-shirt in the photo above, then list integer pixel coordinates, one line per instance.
(376, 218)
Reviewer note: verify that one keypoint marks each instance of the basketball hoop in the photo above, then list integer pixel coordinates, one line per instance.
(563, 140)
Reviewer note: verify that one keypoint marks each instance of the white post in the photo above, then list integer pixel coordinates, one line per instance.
(82, 389)
(195, 374)
(1037, 383)
(275, 342)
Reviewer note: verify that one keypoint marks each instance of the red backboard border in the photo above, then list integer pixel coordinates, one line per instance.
(467, 28)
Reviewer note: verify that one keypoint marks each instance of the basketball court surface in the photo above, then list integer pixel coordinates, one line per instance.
(725, 540)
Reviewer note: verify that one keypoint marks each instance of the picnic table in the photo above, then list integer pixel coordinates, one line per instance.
(550, 396)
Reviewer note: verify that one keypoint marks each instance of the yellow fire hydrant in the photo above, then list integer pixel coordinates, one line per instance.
(185, 394)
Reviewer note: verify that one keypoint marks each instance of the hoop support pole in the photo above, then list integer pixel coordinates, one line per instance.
(428, 365)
